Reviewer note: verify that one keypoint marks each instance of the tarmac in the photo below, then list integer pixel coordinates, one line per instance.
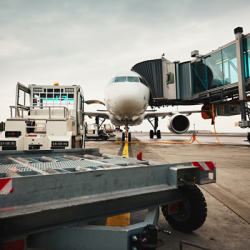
(228, 200)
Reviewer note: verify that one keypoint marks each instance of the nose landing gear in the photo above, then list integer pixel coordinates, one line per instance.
(126, 135)
(155, 131)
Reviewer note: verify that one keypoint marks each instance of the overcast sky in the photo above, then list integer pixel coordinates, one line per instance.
(88, 42)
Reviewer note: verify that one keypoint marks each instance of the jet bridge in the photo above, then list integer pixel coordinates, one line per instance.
(217, 77)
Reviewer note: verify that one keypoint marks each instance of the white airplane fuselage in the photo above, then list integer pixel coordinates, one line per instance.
(126, 100)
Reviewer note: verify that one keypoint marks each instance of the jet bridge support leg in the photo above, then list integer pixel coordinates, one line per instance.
(155, 131)
(241, 78)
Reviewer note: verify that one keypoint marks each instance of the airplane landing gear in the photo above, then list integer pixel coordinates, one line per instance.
(155, 131)
(126, 134)
(129, 137)
(124, 137)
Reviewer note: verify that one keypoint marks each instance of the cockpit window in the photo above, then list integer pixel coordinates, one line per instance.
(133, 79)
(111, 81)
(127, 79)
(120, 79)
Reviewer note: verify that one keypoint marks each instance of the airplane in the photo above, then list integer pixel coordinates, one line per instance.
(126, 98)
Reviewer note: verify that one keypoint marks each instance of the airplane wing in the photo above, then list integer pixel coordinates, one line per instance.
(164, 114)
(97, 114)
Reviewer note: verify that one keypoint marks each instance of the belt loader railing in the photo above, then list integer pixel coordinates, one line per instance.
(33, 110)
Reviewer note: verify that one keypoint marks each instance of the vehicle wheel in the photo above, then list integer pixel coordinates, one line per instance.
(123, 136)
(158, 134)
(248, 137)
(129, 137)
(73, 142)
(151, 134)
(192, 211)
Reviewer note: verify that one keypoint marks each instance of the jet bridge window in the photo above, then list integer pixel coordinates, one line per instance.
(133, 79)
(120, 79)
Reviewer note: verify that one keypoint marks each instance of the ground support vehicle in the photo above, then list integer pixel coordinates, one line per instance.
(48, 197)
(53, 119)
(109, 130)
(99, 132)
(94, 132)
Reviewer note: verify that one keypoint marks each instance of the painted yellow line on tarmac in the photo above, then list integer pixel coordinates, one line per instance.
(122, 220)
(125, 150)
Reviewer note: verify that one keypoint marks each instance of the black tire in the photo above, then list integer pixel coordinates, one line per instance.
(248, 137)
(123, 136)
(129, 137)
(151, 134)
(73, 142)
(192, 213)
(159, 134)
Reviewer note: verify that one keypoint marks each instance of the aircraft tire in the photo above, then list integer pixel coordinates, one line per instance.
(129, 137)
(159, 134)
(192, 212)
(123, 136)
(151, 134)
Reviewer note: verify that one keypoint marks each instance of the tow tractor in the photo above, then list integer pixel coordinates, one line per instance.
(53, 119)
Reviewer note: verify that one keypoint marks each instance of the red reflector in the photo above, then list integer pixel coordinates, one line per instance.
(173, 208)
(13, 133)
(14, 245)
(14, 169)
(32, 135)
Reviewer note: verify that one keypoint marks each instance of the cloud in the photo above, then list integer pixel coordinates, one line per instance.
(87, 42)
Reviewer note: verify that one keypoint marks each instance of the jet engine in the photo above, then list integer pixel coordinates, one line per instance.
(178, 124)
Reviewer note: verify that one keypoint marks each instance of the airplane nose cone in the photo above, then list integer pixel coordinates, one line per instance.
(128, 107)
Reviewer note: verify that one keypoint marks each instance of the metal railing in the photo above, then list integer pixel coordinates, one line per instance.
(19, 110)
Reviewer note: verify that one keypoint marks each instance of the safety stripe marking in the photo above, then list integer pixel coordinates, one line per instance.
(205, 165)
(6, 186)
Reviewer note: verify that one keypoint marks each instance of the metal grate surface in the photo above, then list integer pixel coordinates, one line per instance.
(124, 161)
(69, 164)
(53, 165)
